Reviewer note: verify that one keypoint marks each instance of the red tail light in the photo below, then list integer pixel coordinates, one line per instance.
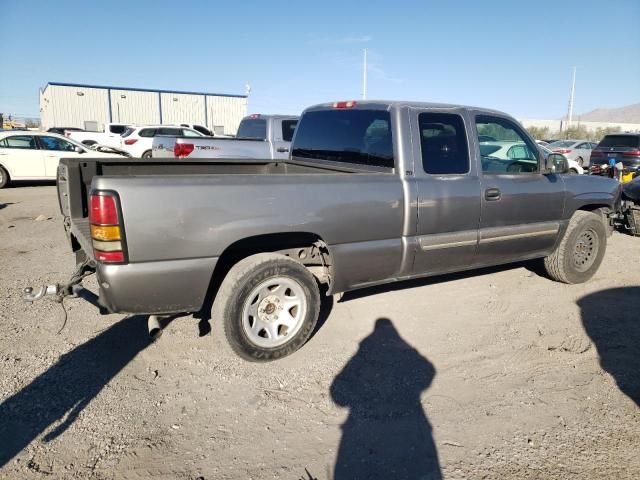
(632, 153)
(106, 228)
(181, 150)
(596, 154)
(130, 141)
(349, 104)
(562, 150)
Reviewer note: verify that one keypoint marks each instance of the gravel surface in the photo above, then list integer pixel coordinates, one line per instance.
(494, 374)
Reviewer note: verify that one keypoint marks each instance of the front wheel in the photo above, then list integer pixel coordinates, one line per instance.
(269, 305)
(581, 250)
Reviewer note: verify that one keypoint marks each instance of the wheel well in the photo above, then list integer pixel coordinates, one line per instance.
(603, 211)
(304, 247)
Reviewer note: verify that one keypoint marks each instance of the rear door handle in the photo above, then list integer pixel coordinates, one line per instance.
(282, 150)
(492, 194)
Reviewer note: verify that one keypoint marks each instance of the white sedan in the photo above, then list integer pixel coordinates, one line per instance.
(26, 155)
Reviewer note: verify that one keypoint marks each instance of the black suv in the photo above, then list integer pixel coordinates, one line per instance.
(621, 147)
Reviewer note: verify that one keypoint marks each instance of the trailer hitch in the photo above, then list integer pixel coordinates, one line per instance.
(58, 291)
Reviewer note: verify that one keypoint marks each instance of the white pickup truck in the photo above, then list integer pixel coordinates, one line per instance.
(109, 137)
(259, 136)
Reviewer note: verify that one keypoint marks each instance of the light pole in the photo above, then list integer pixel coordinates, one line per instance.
(364, 75)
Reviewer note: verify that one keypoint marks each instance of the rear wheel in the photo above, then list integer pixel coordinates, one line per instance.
(573, 171)
(581, 250)
(269, 305)
(147, 154)
(4, 178)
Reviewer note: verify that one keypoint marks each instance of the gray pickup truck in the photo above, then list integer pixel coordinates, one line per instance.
(373, 192)
(258, 136)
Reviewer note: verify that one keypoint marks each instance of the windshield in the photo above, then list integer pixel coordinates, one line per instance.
(252, 128)
(341, 135)
(630, 141)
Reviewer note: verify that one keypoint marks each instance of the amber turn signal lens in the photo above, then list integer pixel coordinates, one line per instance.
(105, 233)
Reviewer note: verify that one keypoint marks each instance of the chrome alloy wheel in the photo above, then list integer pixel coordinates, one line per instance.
(274, 311)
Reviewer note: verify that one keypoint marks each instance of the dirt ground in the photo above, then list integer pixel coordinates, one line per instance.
(494, 374)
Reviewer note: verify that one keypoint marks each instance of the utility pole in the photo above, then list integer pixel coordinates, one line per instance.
(364, 75)
(573, 89)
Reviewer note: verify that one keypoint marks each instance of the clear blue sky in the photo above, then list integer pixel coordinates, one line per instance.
(510, 55)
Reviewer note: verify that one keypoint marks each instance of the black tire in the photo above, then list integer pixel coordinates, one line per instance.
(4, 178)
(88, 143)
(573, 171)
(147, 154)
(581, 250)
(234, 293)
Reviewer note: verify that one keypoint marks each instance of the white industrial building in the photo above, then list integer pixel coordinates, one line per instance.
(91, 106)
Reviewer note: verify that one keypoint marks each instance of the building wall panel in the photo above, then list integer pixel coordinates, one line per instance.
(72, 106)
(182, 108)
(226, 112)
(131, 106)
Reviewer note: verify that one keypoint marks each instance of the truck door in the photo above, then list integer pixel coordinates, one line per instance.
(448, 192)
(282, 134)
(521, 208)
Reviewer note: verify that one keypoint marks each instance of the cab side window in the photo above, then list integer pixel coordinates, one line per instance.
(186, 132)
(288, 128)
(24, 142)
(444, 143)
(504, 148)
(53, 143)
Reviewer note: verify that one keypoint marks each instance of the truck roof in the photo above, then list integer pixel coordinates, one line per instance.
(389, 104)
(275, 117)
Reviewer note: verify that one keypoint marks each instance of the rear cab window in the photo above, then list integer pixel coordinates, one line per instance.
(443, 142)
(361, 137)
(252, 128)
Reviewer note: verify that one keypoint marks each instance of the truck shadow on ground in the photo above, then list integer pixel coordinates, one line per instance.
(387, 434)
(68, 386)
(531, 266)
(611, 318)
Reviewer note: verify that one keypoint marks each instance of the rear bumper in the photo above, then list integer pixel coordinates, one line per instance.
(174, 286)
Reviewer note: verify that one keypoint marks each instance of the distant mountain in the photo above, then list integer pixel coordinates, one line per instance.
(628, 114)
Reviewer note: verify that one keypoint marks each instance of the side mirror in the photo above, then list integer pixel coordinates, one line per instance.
(556, 163)
(78, 150)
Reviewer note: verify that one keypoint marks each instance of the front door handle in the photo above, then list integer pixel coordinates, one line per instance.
(282, 150)
(492, 194)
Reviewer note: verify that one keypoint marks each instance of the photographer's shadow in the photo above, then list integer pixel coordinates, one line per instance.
(611, 318)
(387, 434)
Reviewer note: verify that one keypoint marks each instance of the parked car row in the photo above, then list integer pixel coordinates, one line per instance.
(35, 155)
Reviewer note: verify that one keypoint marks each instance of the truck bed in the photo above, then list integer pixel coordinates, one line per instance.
(75, 177)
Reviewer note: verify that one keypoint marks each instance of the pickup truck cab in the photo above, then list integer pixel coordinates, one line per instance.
(374, 192)
(259, 136)
(109, 137)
